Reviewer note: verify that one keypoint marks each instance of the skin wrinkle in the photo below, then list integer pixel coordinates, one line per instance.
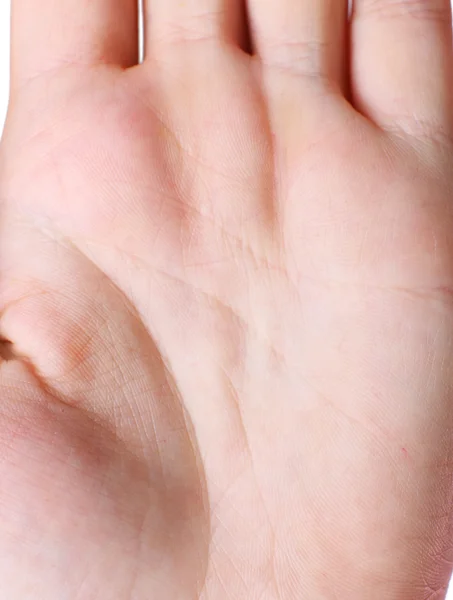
(435, 11)
(240, 280)
(61, 399)
(169, 378)
(198, 290)
(442, 295)
(420, 131)
(6, 350)
(171, 381)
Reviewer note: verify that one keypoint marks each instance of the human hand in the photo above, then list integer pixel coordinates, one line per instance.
(227, 302)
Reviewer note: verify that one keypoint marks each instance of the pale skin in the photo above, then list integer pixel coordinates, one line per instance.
(226, 301)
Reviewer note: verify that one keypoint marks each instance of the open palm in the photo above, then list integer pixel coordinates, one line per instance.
(226, 302)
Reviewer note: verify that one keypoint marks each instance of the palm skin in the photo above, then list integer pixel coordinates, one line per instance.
(226, 305)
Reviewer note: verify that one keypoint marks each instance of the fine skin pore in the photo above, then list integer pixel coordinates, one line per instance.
(226, 301)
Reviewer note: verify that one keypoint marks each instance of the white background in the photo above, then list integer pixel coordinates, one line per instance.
(4, 68)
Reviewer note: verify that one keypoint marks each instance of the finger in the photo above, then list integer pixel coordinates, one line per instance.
(173, 21)
(53, 33)
(402, 61)
(305, 37)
